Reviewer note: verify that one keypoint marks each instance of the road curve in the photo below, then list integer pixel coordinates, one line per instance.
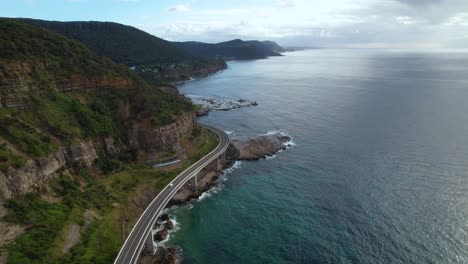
(135, 242)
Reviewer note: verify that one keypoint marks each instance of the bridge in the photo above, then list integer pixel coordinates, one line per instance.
(141, 233)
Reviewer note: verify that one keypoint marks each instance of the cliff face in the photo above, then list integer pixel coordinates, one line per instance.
(18, 83)
(18, 87)
(36, 173)
(150, 141)
(62, 107)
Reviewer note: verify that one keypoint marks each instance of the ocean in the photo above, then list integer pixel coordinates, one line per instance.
(379, 173)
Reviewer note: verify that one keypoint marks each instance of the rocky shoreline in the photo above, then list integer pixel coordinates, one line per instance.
(255, 148)
(249, 148)
(208, 104)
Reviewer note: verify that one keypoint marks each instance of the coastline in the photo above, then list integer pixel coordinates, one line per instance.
(212, 182)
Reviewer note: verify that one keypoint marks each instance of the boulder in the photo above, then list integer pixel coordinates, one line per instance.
(164, 217)
(161, 235)
(169, 225)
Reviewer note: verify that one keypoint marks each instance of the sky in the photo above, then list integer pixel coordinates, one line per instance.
(335, 23)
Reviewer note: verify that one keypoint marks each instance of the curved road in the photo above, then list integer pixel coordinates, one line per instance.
(135, 242)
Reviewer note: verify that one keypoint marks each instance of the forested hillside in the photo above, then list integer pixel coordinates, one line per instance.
(155, 59)
(235, 49)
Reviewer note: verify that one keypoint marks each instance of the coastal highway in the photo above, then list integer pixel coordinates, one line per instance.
(135, 242)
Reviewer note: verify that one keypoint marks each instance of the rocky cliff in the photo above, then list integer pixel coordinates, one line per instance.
(151, 141)
(18, 83)
(61, 106)
(37, 173)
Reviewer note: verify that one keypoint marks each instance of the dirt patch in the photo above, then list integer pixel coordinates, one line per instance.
(72, 236)
(9, 232)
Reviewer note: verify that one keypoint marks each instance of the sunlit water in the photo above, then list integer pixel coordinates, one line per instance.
(379, 173)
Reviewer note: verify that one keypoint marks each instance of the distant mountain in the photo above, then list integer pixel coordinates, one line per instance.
(273, 46)
(235, 49)
(154, 58)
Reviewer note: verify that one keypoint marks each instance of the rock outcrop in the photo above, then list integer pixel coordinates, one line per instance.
(163, 255)
(206, 178)
(17, 86)
(36, 173)
(219, 103)
(169, 225)
(261, 146)
(161, 235)
(150, 140)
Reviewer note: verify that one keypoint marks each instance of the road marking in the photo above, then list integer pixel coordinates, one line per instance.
(146, 221)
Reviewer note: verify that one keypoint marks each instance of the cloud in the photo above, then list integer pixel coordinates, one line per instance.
(178, 8)
(424, 23)
(285, 3)
(420, 2)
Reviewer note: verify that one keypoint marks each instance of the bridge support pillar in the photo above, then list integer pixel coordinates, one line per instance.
(149, 244)
(195, 183)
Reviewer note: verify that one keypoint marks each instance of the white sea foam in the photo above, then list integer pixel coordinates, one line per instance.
(185, 81)
(190, 205)
(206, 194)
(170, 233)
(219, 186)
(272, 132)
(228, 132)
(289, 144)
(236, 165)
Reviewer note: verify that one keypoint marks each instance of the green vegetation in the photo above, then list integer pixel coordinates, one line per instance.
(45, 220)
(111, 197)
(205, 142)
(50, 117)
(53, 117)
(24, 136)
(9, 159)
(234, 49)
(67, 117)
(123, 44)
(158, 60)
(52, 52)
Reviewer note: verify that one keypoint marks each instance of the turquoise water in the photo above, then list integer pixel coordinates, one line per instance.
(379, 173)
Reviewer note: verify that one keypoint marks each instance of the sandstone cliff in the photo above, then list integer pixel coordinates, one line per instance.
(63, 107)
(18, 83)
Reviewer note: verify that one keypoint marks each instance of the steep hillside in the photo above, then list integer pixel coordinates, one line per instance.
(157, 59)
(123, 44)
(54, 92)
(274, 46)
(235, 49)
(78, 135)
